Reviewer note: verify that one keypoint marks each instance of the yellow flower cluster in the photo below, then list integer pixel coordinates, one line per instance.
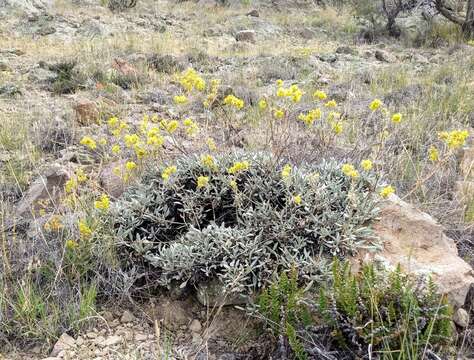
(202, 181)
(84, 230)
(71, 244)
(239, 166)
(376, 104)
(211, 145)
(170, 170)
(396, 118)
(297, 199)
(320, 95)
(54, 224)
(366, 164)
(279, 113)
(212, 96)
(286, 172)
(234, 101)
(208, 161)
(103, 203)
(169, 126)
(191, 127)
(78, 178)
(89, 142)
(454, 139)
(190, 79)
(293, 92)
(387, 191)
(337, 127)
(331, 104)
(262, 104)
(433, 154)
(180, 99)
(117, 126)
(310, 117)
(350, 171)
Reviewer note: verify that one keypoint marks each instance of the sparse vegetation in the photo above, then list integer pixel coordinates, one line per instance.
(182, 156)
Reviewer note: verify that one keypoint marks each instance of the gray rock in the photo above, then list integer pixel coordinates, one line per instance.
(195, 326)
(346, 50)
(247, 36)
(461, 318)
(127, 317)
(64, 342)
(384, 56)
(48, 186)
(253, 13)
(329, 58)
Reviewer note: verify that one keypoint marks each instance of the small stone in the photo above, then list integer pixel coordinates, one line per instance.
(384, 56)
(91, 335)
(79, 341)
(346, 50)
(461, 318)
(113, 340)
(195, 326)
(64, 342)
(141, 337)
(127, 317)
(86, 112)
(247, 36)
(253, 13)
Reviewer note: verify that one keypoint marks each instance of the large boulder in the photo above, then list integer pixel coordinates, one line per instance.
(416, 242)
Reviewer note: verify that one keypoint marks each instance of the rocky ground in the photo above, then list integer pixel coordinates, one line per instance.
(45, 107)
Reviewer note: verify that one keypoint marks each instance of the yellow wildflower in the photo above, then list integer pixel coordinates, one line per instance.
(170, 170)
(113, 122)
(208, 161)
(172, 126)
(331, 104)
(279, 82)
(297, 199)
(350, 171)
(374, 105)
(396, 118)
(234, 101)
(131, 140)
(455, 139)
(71, 244)
(189, 80)
(262, 104)
(211, 144)
(191, 127)
(81, 176)
(139, 150)
(202, 181)
(233, 185)
(279, 113)
(286, 171)
(180, 99)
(155, 140)
(130, 165)
(103, 203)
(387, 191)
(116, 149)
(337, 128)
(89, 142)
(320, 95)
(84, 230)
(238, 167)
(366, 164)
(433, 153)
(70, 185)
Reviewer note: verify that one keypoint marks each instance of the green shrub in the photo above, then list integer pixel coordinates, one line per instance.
(399, 318)
(242, 228)
(384, 313)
